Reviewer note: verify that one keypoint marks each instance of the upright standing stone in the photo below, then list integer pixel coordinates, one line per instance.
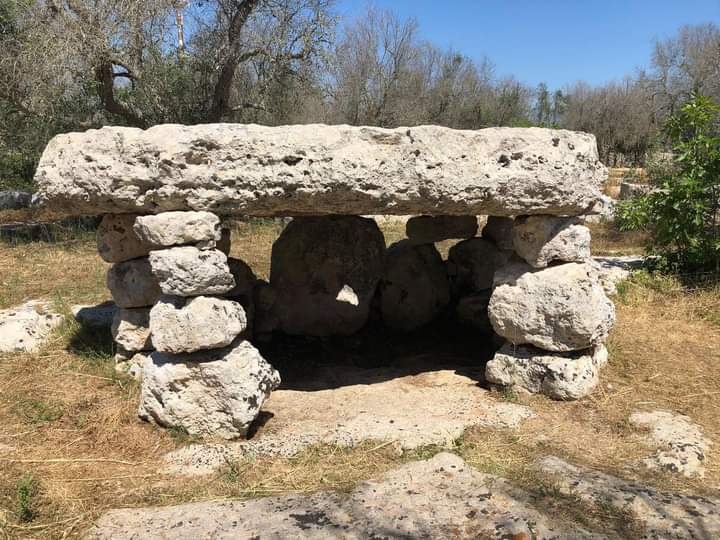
(131, 329)
(499, 230)
(430, 229)
(117, 241)
(189, 271)
(132, 284)
(541, 240)
(473, 263)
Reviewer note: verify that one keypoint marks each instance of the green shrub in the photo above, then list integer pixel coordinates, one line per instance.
(27, 490)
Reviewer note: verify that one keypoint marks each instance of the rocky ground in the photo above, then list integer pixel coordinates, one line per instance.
(348, 448)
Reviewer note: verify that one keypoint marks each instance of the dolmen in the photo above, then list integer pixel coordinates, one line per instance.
(191, 315)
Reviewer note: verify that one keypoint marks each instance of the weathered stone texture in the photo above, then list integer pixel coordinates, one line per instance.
(131, 329)
(541, 240)
(117, 241)
(178, 228)
(218, 392)
(324, 272)
(95, 316)
(316, 169)
(559, 308)
(26, 327)
(414, 288)
(202, 322)
(132, 284)
(189, 271)
(430, 229)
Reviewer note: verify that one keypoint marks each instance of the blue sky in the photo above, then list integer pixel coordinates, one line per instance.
(555, 41)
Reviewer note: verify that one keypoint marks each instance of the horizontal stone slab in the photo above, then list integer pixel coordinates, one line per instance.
(233, 169)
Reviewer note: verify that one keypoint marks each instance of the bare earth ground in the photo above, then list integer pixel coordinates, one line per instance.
(71, 445)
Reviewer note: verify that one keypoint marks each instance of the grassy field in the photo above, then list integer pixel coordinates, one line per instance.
(71, 445)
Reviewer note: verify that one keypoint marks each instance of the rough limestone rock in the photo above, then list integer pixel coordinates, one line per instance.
(189, 271)
(604, 210)
(132, 284)
(414, 288)
(133, 366)
(541, 240)
(200, 323)
(14, 200)
(429, 229)
(253, 170)
(657, 514)
(472, 311)
(614, 270)
(201, 229)
(95, 316)
(324, 271)
(499, 230)
(218, 392)
(683, 446)
(26, 327)
(117, 241)
(472, 264)
(559, 308)
(441, 498)
(131, 329)
(566, 376)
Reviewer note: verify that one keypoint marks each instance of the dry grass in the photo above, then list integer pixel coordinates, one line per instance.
(607, 239)
(67, 404)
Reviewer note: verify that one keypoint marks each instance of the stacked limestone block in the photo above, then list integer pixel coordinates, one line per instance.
(185, 315)
(549, 304)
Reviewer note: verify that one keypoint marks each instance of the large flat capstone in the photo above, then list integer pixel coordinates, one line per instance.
(316, 169)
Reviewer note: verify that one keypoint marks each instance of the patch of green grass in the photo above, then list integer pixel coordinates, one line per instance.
(509, 394)
(37, 411)
(26, 491)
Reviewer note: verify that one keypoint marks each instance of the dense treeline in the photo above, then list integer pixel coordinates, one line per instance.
(72, 64)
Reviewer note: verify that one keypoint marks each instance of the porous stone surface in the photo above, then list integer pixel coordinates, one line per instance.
(559, 308)
(414, 288)
(472, 264)
(442, 497)
(316, 169)
(199, 323)
(133, 366)
(658, 514)
(14, 200)
(567, 376)
(218, 392)
(541, 240)
(178, 228)
(499, 230)
(683, 447)
(117, 241)
(189, 271)
(131, 329)
(132, 284)
(614, 270)
(409, 406)
(95, 316)
(26, 327)
(324, 272)
(603, 210)
(430, 229)
(472, 311)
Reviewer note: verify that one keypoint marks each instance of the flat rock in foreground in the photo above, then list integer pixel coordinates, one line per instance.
(233, 169)
(441, 498)
(26, 327)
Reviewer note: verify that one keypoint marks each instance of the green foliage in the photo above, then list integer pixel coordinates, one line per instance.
(36, 411)
(683, 213)
(27, 490)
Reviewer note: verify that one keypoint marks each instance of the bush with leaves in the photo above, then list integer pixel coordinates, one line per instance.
(682, 213)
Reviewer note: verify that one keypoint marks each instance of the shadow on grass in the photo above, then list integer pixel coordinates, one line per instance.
(67, 230)
(94, 345)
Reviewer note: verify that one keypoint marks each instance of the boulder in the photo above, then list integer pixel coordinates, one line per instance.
(168, 229)
(603, 210)
(472, 264)
(430, 229)
(218, 392)
(117, 241)
(202, 322)
(254, 170)
(133, 366)
(414, 288)
(131, 329)
(95, 316)
(324, 271)
(26, 327)
(499, 230)
(132, 284)
(541, 240)
(559, 308)
(472, 311)
(565, 376)
(189, 271)
(14, 200)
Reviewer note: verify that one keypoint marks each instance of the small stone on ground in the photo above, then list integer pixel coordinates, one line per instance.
(26, 327)
(95, 316)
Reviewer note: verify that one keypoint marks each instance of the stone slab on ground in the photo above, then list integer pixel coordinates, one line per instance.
(659, 515)
(613, 270)
(683, 447)
(25, 328)
(440, 498)
(233, 169)
(95, 316)
(350, 405)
